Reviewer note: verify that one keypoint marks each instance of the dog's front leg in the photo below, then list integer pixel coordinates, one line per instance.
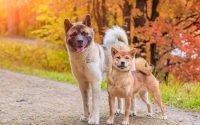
(133, 106)
(127, 110)
(84, 88)
(111, 100)
(96, 90)
(120, 106)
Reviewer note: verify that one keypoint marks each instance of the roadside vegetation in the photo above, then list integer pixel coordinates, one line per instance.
(186, 96)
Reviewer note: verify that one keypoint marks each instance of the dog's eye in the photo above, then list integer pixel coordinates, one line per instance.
(118, 57)
(126, 57)
(73, 34)
(84, 33)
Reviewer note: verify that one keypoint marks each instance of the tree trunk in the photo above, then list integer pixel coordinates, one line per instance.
(115, 18)
(166, 76)
(140, 21)
(126, 11)
(100, 15)
(154, 15)
(16, 22)
(153, 53)
(75, 14)
(153, 48)
(104, 13)
(88, 6)
(10, 18)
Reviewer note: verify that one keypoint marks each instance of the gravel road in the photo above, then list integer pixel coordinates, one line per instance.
(30, 100)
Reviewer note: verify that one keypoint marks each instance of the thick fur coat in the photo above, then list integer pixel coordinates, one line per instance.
(90, 61)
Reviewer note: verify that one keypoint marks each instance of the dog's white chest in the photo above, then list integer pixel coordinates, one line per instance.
(86, 71)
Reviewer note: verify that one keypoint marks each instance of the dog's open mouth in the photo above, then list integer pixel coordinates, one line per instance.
(122, 67)
(80, 48)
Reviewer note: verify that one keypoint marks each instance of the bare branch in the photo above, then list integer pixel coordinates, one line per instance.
(146, 12)
(120, 6)
(191, 16)
(197, 35)
(188, 26)
(166, 52)
(173, 64)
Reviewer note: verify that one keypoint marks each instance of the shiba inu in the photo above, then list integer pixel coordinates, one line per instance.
(89, 61)
(145, 81)
(120, 81)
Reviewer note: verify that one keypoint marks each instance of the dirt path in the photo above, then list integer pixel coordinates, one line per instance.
(27, 41)
(29, 100)
(22, 40)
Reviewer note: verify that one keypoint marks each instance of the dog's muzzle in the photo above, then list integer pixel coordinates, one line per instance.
(122, 65)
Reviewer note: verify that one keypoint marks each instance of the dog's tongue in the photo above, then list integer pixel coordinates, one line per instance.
(79, 49)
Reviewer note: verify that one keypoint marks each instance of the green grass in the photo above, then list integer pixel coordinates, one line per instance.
(45, 57)
(52, 63)
(57, 76)
(185, 96)
(44, 61)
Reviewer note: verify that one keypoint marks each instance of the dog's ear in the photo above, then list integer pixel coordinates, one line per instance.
(133, 52)
(67, 25)
(114, 51)
(87, 21)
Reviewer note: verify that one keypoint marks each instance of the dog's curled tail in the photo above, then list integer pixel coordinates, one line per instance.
(113, 35)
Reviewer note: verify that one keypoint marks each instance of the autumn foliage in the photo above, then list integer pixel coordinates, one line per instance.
(178, 43)
(166, 32)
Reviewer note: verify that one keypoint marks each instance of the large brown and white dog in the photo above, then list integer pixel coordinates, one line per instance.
(90, 61)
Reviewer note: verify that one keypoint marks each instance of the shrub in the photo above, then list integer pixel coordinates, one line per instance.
(47, 57)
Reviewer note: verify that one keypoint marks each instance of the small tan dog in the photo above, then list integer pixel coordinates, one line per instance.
(124, 82)
(120, 81)
(144, 81)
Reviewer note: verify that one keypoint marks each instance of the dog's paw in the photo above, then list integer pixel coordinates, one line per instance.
(125, 122)
(93, 121)
(164, 117)
(132, 114)
(122, 112)
(149, 114)
(84, 118)
(110, 121)
(117, 112)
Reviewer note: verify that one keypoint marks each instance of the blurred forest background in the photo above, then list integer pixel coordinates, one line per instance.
(166, 33)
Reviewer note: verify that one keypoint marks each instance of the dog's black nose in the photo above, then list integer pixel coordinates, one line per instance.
(80, 41)
(122, 63)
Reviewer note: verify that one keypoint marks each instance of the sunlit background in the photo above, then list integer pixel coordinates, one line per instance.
(165, 32)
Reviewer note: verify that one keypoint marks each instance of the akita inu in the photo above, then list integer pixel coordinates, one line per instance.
(90, 61)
